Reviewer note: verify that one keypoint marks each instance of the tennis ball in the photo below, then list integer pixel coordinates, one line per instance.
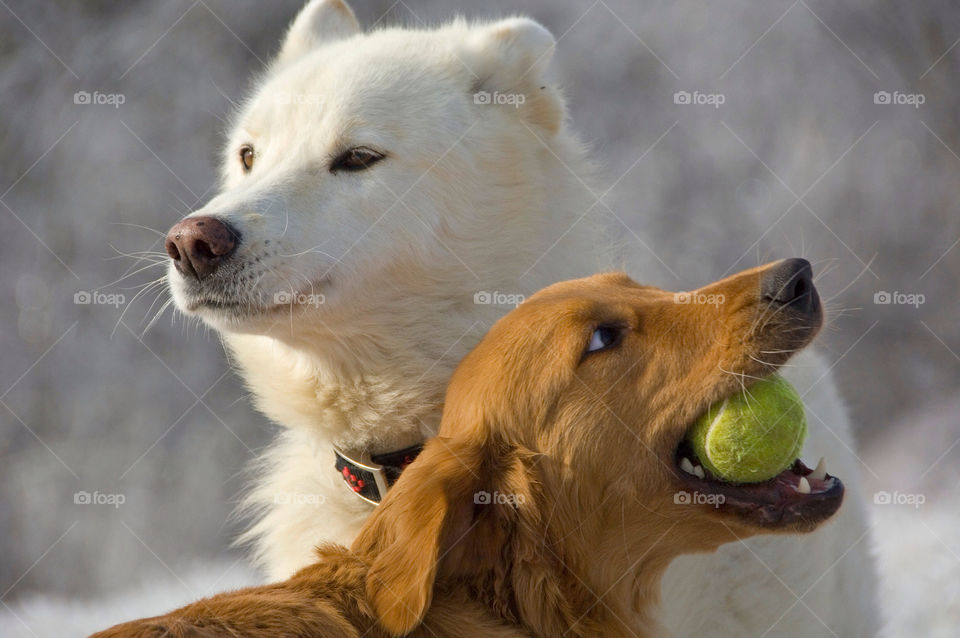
(752, 436)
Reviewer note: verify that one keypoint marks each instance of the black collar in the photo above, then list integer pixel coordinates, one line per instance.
(370, 476)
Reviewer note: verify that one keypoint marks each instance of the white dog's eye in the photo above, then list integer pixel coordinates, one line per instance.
(246, 157)
(604, 337)
(356, 159)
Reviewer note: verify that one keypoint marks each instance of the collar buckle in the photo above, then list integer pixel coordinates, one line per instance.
(370, 476)
(363, 476)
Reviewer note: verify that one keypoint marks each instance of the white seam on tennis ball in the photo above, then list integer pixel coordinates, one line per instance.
(706, 439)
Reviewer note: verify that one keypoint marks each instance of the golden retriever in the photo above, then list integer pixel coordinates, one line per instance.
(549, 504)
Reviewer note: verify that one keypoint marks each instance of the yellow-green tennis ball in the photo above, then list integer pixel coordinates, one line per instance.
(753, 436)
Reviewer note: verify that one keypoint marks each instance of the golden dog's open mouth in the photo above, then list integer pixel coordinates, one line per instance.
(740, 456)
(798, 495)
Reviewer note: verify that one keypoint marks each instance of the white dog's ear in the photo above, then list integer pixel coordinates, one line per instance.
(319, 22)
(510, 58)
(512, 49)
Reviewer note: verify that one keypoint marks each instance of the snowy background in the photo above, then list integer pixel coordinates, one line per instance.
(798, 159)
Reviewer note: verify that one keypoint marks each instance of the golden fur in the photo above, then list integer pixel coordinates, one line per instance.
(577, 447)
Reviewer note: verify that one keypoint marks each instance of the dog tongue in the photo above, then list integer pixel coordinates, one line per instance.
(803, 479)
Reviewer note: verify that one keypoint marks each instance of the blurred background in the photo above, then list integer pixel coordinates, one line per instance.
(732, 134)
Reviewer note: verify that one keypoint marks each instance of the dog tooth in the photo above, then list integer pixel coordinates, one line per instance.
(698, 471)
(821, 472)
(804, 486)
(686, 465)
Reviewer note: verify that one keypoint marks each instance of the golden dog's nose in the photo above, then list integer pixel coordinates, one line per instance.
(790, 283)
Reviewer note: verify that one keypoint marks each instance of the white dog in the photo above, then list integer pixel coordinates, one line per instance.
(386, 196)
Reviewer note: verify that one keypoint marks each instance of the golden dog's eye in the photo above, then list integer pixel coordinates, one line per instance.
(356, 159)
(246, 157)
(604, 337)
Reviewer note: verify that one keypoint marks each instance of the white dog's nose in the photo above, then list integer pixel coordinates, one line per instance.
(197, 245)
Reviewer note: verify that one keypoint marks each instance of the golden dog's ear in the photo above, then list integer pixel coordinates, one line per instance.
(423, 519)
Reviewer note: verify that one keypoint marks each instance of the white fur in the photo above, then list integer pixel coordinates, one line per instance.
(490, 199)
